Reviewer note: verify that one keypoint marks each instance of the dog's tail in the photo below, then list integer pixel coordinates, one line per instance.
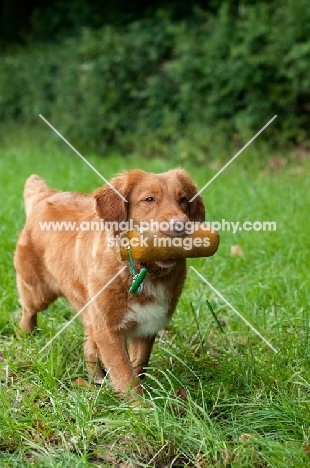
(35, 190)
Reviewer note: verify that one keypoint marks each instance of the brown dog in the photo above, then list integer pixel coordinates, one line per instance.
(77, 264)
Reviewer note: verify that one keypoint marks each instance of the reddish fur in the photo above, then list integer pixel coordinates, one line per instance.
(77, 264)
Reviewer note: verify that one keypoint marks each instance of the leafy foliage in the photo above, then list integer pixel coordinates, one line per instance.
(155, 79)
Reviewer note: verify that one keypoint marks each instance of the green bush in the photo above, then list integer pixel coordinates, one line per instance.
(156, 80)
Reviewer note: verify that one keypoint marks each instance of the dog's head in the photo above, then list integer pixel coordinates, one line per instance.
(160, 197)
(163, 198)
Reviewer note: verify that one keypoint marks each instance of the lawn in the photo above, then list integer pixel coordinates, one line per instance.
(212, 397)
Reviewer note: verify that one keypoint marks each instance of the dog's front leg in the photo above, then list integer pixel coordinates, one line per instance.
(114, 355)
(139, 352)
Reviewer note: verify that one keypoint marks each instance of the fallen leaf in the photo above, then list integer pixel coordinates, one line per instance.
(182, 393)
(236, 251)
(46, 433)
(306, 449)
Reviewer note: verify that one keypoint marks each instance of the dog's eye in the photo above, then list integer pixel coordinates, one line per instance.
(149, 199)
(183, 200)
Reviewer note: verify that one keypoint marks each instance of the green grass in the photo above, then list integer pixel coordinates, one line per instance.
(213, 399)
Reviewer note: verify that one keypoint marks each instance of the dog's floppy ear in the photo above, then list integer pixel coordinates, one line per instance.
(109, 205)
(197, 210)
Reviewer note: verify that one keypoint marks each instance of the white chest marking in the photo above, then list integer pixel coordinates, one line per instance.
(151, 317)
